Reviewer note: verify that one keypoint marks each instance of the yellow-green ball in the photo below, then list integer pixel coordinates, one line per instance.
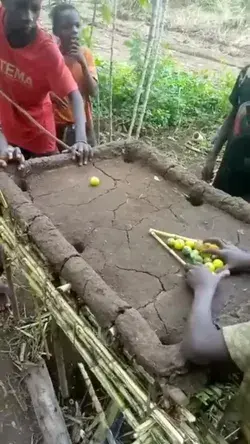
(190, 243)
(218, 264)
(94, 181)
(210, 266)
(171, 242)
(179, 244)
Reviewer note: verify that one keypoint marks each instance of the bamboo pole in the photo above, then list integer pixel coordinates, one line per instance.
(60, 364)
(115, 4)
(160, 25)
(46, 407)
(168, 235)
(171, 252)
(151, 37)
(111, 414)
(97, 405)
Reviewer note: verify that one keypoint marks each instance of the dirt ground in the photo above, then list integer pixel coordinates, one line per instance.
(111, 223)
(17, 422)
(197, 39)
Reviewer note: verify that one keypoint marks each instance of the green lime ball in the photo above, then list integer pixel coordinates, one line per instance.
(179, 244)
(206, 258)
(198, 259)
(210, 266)
(187, 251)
(171, 242)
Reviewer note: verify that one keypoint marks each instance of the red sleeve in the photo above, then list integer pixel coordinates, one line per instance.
(60, 78)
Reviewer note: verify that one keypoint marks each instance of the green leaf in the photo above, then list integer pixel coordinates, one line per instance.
(144, 3)
(86, 36)
(106, 12)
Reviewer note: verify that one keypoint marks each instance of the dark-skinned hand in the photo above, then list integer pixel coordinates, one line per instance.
(11, 154)
(82, 152)
(234, 258)
(200, 278)
(75, 51)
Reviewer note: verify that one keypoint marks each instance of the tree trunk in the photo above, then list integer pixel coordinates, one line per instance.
(45, 404)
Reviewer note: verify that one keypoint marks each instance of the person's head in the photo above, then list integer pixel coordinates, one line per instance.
(21, 15)
(66, 23)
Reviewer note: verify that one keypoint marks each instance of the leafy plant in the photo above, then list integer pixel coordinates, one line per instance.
(177, 97)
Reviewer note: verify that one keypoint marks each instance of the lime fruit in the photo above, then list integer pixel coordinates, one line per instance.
(206, 258)
(179, 244)
(218, 264)
(94, 181)
(198, 259)
(171, 242)
(210, 266)
(199, 246)
(190, 243)
(214, 247)
(187, 250)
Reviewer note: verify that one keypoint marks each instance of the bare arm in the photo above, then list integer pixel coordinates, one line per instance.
(81, 149)
(77, 104)
(223, 134)
(203, 342)
(220, 140)
(91, 86)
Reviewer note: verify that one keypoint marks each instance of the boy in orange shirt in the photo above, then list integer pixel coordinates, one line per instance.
(66, 24)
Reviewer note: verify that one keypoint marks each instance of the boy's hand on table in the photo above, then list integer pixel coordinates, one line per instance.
(208, 169)
(83, 152)
(234, 258)
(200, 278)
(9, 154)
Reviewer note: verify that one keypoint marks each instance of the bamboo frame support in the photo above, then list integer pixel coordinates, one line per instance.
(97, 405)
(171, 252)
(172, 235)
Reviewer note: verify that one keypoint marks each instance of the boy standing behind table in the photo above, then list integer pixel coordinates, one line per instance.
(66, 23)
(31, 66)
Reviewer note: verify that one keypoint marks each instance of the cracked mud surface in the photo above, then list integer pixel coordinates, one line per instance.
(112, 222)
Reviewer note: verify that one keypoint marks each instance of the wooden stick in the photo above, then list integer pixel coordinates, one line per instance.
(172, 252)
(30, 118)
(60, 364)
(97, 405)
(46, 407)
(168, 235)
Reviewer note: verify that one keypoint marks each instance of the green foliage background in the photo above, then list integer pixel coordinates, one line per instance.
(177, 97)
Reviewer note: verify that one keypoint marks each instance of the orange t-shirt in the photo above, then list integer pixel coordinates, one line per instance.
(64, 116)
